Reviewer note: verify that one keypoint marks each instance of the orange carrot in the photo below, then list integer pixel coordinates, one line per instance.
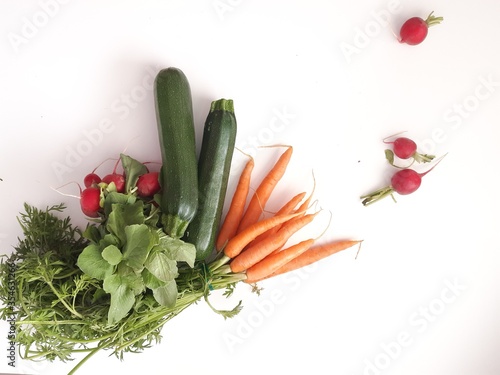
(260, 250)
(302, 208)
(315, 254)
(287, 208)
(264, 190)
(275, 261)
(305, 205)
(237, 206)
(236, 244)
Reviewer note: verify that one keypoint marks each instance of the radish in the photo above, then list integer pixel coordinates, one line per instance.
(403, 182)
(116, 178)
(405, 148)
(415, 29)
(90, 199)
(148, 185)
(91, 179)
(406, 181)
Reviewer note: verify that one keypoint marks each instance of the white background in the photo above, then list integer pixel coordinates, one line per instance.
(331, 79)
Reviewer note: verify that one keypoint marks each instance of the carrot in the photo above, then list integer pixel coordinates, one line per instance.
(264, 190)
(305, 205)
(302, 208)
(275, 261)
(260, 250)
(236, 207)
(287, 208)
(315, 254)
(236, 244)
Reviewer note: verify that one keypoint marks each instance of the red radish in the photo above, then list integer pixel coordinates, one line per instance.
(405, 148)
(148, 185)
(91, 179)
(118, 179)
(90, 199)
(415, 29)
(406, 181)
(403, 182)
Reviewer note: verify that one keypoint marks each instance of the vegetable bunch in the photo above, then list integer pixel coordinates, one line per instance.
(155, 243)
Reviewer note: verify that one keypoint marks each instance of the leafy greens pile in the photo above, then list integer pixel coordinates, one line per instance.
(110, 287)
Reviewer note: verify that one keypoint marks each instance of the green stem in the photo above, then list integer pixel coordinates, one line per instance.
(60, 277)
(223, 270)
(70, 309)
(224, 280)
(222, 105)
(154, 328)
(44, 354)
(378, 195)
(86, 358)
(85, 342)
(215, 265)
(432, 20)
(152, 213)
(423, 158)
(52, 323)
(162, 316)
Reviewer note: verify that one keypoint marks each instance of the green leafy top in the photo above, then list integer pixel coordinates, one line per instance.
(111, 287)
(131, 254)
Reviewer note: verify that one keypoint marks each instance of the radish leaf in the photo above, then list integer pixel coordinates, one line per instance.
(112, 255)
(161, 266)
(137, 246)
(166, 295)
(178, 250)
(93, 264)
(122, 298)
(133, 169)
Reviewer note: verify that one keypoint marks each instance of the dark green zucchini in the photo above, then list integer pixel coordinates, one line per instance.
(219, 136)
(179, 178)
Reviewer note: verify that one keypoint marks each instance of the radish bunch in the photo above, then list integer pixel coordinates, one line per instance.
(135, 180)
(406, 180)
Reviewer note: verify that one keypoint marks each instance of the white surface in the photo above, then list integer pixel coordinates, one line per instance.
(423, 295)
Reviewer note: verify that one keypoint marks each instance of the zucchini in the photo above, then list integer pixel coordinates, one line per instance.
(219, 136)
(179, 179)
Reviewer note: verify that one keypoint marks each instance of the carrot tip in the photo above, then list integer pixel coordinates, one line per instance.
(359, 248)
